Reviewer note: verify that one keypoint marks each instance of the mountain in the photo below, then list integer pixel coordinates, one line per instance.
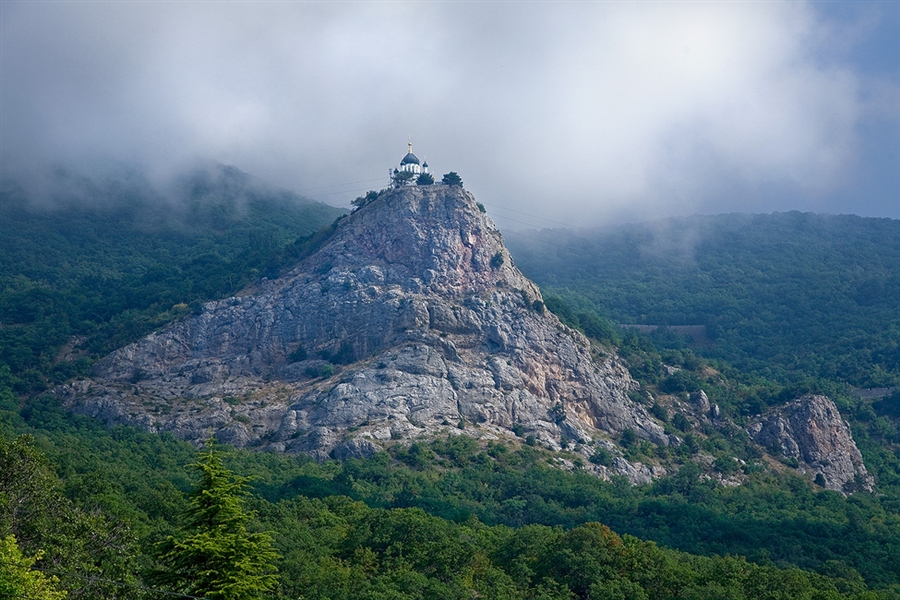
(409, 319)
(786, 296)
(494, 516)
(91, 262)
(810, 430)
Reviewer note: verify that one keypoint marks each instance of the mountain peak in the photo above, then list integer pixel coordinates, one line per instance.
(408, 320)
(434, 234)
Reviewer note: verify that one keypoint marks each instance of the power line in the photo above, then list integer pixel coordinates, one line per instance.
(534, 217)
(353, 191)
(333, 185)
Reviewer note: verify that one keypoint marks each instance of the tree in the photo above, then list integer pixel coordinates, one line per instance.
(403, 177)
(19, 580)
(29, 495)
(36, 520)
(425, 179)
(361, 201)
(215, 556)
(452, 178)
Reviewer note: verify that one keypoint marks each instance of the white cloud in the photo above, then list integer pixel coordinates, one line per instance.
(555, 108)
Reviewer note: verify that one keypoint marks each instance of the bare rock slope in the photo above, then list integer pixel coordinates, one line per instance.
(411, 318)
(811, 431)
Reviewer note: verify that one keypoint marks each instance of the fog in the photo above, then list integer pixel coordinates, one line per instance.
(567, 113)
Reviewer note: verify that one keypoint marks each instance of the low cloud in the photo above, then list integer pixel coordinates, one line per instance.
(559, 110)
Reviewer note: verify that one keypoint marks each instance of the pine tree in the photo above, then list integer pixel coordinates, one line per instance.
(452, 178)
(215, 556)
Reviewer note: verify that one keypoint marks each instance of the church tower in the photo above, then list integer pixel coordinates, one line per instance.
(411, 163)
(410, 168)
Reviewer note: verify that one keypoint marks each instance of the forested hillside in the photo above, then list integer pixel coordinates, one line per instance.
(786, 296)
(791, 303)
(90, 264)
(450, 518)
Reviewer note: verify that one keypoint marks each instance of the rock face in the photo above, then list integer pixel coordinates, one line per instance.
(811, 431)
(410, 318)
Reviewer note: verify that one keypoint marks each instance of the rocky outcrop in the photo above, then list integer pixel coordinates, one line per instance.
(810, 430)
(410, 319)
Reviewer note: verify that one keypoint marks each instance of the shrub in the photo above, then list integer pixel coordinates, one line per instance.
(681, 422)
(659, 412)
(320, 371)
(602, 456)
(298, 354)
(403, 178)
(680, 381)
(727, 465)
(557, 413)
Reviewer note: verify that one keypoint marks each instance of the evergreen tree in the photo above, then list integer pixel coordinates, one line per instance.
(215, 556)
(402, 178)
(452, 178)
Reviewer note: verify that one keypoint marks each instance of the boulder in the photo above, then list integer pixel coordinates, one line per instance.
(811, 431)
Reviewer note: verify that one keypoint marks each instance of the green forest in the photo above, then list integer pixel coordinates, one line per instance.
(785, 296)
(91, 275)
(93, 512)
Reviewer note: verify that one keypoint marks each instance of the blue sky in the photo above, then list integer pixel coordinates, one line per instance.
(566, 112)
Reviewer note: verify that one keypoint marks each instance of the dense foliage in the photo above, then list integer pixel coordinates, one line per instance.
(452, 518)
(784, 296)
(98, 263)
(98, 509)
(214, 555)
(791, 303)
(19, 580)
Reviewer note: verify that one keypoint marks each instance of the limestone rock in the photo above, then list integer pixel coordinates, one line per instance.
(701, 401)
(811, 431)
(409, 318)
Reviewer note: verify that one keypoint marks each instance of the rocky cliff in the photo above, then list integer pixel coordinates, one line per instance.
(409, 320)
(810, 430)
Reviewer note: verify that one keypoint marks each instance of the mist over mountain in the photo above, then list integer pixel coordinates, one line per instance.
(785, 295)
(93, 261)
(599, 111)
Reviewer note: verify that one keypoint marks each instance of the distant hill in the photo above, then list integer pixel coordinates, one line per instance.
(786, 296)
(88, 263)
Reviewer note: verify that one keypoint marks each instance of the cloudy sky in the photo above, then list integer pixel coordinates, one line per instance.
(552, 112)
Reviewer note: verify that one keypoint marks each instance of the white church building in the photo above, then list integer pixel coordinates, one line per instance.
(409, 170)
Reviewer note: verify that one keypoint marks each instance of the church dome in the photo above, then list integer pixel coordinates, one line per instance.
(410, 159)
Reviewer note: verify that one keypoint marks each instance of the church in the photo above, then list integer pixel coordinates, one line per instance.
(411, 171)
